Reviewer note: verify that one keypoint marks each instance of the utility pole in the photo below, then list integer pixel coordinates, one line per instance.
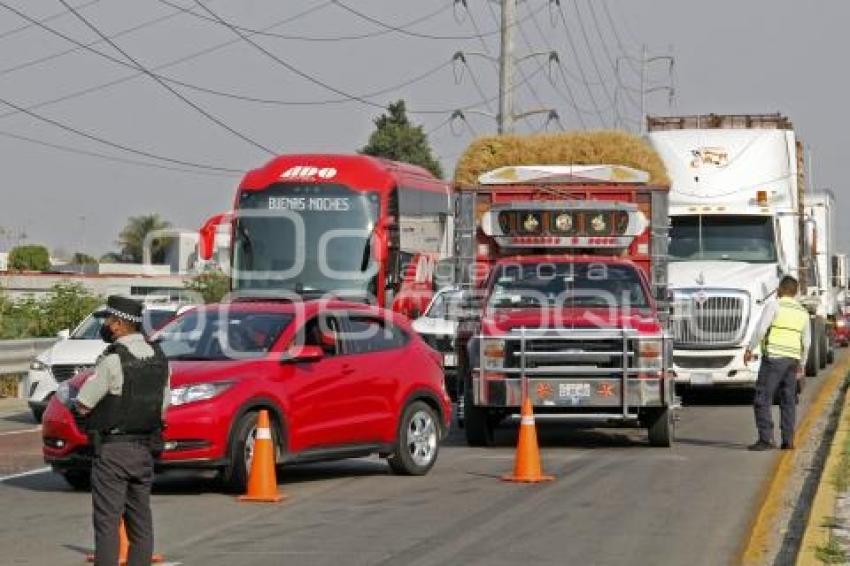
(643, 89)
(506, 68)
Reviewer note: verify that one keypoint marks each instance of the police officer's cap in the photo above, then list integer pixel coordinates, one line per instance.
(124, 307)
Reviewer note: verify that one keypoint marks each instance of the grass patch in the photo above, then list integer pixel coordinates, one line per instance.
(831, 553)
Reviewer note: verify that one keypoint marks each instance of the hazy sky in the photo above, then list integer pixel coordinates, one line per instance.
(731, 56)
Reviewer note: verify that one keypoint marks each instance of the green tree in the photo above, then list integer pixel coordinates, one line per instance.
(212, 285)
(29, 258)
(396, 138)
(81, 258)
(132, 238)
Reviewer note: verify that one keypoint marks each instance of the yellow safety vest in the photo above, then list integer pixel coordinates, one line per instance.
(784, 338)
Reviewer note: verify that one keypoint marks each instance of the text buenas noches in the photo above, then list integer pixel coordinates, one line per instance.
(319, 204)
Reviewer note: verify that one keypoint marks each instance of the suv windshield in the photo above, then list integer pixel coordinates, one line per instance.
(730, 238)
(221, 335)
(566, 285)
(305, 238)
(89, 329)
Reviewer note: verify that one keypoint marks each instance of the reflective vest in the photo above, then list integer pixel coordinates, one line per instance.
(784, 338)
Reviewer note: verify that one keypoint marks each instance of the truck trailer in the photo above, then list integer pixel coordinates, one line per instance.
(825, 291)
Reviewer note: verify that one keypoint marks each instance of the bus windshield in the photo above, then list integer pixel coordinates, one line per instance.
(302, 238)
(556, 284)
(724, 238)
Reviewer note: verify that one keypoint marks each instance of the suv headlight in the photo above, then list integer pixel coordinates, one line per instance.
(492, 353)
(650, 354)
(197, 392)
(37, 365)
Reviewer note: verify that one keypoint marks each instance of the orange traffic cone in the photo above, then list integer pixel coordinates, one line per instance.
(124, 548)
(527, 468)
(262, 479)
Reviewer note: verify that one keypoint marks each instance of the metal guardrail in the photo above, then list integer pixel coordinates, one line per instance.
(16, 355)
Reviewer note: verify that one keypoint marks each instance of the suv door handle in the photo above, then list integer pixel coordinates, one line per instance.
(347, 370)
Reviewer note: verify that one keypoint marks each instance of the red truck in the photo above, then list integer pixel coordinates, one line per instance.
(566, 268)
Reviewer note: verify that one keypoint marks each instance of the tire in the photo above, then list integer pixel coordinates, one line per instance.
(823, 346)
(814, 353)
(37, 414)
(830, 356)
(477, 422)
(661, 427)
(417, 441)
(234, 476)
(79, 480)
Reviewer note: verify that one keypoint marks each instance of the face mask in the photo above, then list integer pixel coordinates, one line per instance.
(106, 334)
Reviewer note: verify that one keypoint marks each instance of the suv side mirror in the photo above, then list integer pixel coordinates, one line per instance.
(303, 354)
(63, 334)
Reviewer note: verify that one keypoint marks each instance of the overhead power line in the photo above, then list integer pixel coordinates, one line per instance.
(113, 158)
(164, 84)
(335, 38)
(50, 18)
(591, 54)
(198, 88)
(112, 144)
(126, 31)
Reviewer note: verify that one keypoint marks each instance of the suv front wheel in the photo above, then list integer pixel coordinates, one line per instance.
(418, 441)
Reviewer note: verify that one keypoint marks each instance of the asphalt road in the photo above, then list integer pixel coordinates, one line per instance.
(615, 501)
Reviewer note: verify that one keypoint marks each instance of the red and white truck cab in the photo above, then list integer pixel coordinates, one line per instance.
(567, 263)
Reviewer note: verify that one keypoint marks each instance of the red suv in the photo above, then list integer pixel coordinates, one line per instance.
(340, 380)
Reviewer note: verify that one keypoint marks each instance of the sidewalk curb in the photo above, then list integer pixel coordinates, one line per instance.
(757, 541)
(818, 528)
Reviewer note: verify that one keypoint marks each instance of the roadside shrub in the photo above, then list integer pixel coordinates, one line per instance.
(29, 258)
(64, 306)
(212, 285)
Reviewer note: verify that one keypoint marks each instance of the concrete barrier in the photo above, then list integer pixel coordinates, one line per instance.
(16, 355)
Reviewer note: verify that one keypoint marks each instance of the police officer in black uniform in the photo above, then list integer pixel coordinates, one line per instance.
(124, 404)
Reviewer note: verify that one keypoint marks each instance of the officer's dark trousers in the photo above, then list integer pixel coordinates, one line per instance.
(121, 481)
(776, 374)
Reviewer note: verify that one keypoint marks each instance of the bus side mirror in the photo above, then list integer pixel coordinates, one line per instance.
(206, 235)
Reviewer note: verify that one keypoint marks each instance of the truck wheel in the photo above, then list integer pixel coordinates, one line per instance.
(823, 345)
(79, 480)
(37, 414)
(814, 354)
(477, 422)
(417, 442)
(661, 427)
(234, 476)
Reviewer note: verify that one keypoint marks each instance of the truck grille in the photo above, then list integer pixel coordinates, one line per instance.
(65, 372)
(601, 353)
(709, 319)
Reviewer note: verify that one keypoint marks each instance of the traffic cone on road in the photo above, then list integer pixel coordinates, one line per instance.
(124, 548)
(527, 467)
(262, 478)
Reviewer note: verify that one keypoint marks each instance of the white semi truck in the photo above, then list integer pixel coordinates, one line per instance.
(737, 227)
(820, 208)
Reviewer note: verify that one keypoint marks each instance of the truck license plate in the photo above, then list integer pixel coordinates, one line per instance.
(702, 378)
(449, 360)
(573, 390)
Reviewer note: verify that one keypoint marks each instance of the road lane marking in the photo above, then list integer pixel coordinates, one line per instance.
(21, 431)
(24, 474)
(770, 502)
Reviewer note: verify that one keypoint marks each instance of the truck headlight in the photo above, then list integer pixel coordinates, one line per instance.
(197, 392)
(493, 353)
(650, 354)
(36, 365)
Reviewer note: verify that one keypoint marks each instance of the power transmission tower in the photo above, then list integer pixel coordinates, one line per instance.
(507, 115)
(645, 88)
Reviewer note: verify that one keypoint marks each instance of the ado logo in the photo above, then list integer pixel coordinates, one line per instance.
(308, 172)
